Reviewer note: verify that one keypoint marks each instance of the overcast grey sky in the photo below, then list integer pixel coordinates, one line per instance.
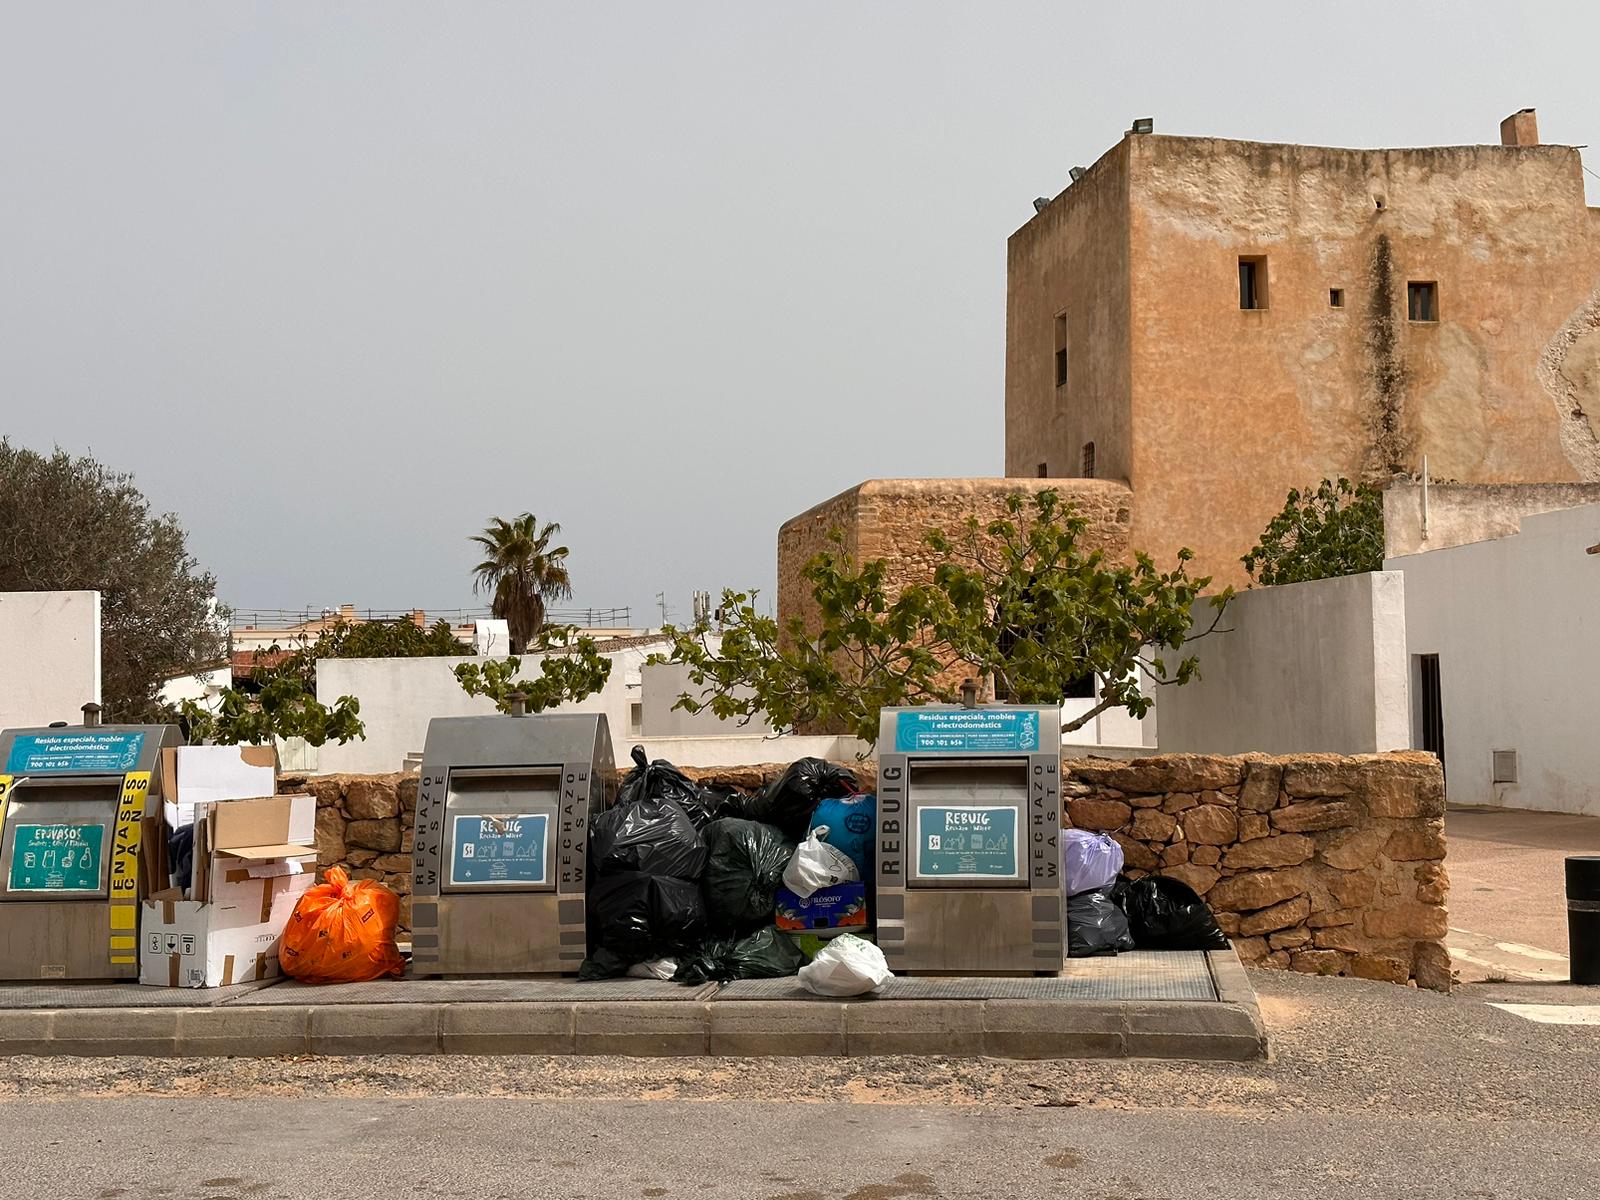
(340, 281)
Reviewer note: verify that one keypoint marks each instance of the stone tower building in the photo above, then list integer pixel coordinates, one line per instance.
(1215, 322)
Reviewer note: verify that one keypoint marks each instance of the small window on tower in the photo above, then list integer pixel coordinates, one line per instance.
(1253, 282)
(1335, 297)
(1422, 301)
(1088, 460)
(1061, 350)
(1044, 470)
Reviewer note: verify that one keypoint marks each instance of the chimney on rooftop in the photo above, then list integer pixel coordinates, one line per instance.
(347, 610)
(1521, 128)
(419, 618)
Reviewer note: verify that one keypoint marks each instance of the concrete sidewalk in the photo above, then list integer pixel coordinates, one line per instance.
(1141, 1005)
(1508, 916)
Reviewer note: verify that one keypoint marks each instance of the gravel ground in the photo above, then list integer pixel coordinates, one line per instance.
(1374, 1091)
(1339, 1045)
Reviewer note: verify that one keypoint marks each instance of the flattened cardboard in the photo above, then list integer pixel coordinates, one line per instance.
(193, 775)
(264, 822)
(275, 850)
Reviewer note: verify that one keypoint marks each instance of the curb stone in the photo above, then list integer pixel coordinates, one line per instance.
(1226, 1029)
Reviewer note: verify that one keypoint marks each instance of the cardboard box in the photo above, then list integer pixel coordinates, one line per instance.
(811, 944)
(193, 775)
(254, 859)
(841, 908)
(232, 938)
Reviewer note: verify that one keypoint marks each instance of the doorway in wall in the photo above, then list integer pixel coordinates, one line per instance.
(1430, 706)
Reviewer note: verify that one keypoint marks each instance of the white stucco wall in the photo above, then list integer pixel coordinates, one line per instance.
(1516, 625)
(399, 696)
(202, 687)
(661, 685)
(49, 656)
(1315, 666)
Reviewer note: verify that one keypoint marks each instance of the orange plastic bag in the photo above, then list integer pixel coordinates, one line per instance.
(342, 932)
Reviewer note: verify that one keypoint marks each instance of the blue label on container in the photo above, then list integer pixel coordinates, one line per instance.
(967, 841)
(110, 753)
(966, 730)
(498, 849)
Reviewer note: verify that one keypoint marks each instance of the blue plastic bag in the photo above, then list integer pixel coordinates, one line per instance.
(851, 821)
(1089, 861)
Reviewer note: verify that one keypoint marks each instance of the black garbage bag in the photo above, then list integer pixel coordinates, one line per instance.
(744, 869)
(1095, 925)
(634, 917)
(651, 835)
(714, 802)
(1167, 914)
(765, 954)
(603, 964)
(180, 857)
(660, 780)
(790, 799)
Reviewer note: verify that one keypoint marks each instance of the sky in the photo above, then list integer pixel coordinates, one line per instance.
(340, 282)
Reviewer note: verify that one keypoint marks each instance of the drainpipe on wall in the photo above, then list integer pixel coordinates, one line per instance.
(1424, 497)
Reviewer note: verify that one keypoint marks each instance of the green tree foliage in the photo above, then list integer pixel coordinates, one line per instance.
(572, 669)
(282, 702)
(402, 638)
(1336, 530)
(71, 524)
(283, 708)
(522, 571)
(1019, 599)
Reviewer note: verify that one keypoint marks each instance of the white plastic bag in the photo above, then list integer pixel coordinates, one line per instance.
(1089, 861)
(815, 864)
(846, 966)
(660, 968)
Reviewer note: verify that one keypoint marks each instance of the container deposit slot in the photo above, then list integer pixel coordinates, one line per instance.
(968, 818)
(58, 838)
(500, 829)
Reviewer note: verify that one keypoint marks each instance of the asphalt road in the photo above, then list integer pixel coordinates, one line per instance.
(1375, 1091)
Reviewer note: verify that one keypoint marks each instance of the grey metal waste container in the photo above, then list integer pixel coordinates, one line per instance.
(73, 803)
(501, 843)
(969, 818)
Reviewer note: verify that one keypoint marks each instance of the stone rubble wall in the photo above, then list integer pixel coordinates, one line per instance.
(364, 824)
(1319, 863)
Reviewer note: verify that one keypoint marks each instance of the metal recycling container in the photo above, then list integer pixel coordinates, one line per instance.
(969, 819)
(1583, 917)
(499, 861)
(73, 807)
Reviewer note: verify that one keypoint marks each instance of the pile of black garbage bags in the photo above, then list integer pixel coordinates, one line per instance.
(687, 875)
(1107, 913)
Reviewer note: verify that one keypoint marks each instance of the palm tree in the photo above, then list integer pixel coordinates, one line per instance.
(521, 571)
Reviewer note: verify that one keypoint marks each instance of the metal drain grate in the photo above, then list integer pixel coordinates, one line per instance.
(1140, 975)
(117, 995)
(475, 991)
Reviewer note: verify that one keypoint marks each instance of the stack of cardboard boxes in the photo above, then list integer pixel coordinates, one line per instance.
(253, 856)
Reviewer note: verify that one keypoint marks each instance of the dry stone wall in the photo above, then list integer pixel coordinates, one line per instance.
(1318, 863)
(364, 824)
